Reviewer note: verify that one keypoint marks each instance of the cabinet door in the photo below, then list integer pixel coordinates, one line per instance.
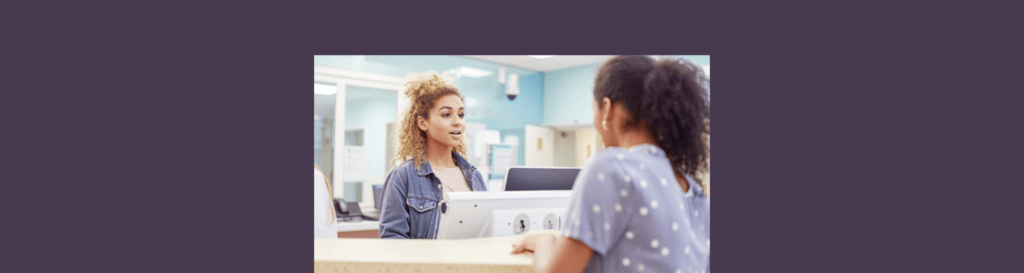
(539, 146)
(588, 142)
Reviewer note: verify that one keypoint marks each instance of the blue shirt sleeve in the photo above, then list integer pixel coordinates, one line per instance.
(600, 209)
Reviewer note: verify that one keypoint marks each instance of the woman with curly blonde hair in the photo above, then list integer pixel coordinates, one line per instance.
(434, 150)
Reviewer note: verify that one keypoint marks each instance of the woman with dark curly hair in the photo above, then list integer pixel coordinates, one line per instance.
(434, 150)
(636, 205)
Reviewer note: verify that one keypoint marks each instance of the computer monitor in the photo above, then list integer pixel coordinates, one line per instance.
(378, 194)
(521, 178)
(486, 214)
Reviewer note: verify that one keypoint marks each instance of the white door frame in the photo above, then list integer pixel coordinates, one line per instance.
(341, 78)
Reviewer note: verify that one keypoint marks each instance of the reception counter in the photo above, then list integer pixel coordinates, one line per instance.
(361, 229)
(409, 255)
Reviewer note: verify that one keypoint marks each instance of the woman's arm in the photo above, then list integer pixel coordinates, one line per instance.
(553, 253)
(394, 218)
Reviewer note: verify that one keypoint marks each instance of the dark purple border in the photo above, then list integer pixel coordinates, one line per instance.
(183, 147)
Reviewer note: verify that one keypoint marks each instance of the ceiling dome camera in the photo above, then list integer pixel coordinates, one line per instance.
(512, 87)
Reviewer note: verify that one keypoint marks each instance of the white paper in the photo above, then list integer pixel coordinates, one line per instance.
(355, 161)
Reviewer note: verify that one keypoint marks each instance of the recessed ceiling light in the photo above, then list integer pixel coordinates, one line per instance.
(542, 56)
(324, 89)
(473, 72)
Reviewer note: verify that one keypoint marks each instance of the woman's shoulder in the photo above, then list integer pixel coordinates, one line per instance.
(317, 176)
(408, 164)
(636, 161)
(611, 156)
(607, 162)
(619, 155)
(404, 169)
(399, 176)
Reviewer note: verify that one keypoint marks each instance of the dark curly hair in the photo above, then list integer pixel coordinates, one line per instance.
(671, 97)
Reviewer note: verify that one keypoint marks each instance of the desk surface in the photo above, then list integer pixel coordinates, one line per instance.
(418, 255)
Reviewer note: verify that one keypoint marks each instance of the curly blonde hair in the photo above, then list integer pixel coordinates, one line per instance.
(423, 90)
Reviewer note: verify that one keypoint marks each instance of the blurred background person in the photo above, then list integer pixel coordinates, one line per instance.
(324, 218)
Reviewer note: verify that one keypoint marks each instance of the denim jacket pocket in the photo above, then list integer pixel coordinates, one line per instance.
(421, 216)
(421, 204)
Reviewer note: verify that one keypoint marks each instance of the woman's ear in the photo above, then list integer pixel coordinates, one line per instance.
(422, 123)
(606, 112)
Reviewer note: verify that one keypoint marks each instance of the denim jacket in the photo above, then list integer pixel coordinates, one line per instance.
(411, 196)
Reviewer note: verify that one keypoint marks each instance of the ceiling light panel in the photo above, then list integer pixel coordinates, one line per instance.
(324, 89)
(466, 71)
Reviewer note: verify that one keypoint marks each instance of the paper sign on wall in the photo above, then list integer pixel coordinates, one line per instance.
(355, 161)
(502, 157)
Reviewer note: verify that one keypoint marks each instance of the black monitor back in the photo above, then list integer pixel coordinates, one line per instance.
(540, 178)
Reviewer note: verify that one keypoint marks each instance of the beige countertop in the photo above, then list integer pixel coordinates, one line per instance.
(418, 255)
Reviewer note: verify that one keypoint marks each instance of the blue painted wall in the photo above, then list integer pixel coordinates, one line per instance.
(567, 95)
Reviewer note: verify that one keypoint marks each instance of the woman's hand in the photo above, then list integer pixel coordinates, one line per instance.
(528, 243)
(552, 252)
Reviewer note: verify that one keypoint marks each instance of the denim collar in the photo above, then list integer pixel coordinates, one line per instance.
(467, 169)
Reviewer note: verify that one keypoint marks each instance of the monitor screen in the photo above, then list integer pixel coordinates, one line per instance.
(378, 192)
(540, 178)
